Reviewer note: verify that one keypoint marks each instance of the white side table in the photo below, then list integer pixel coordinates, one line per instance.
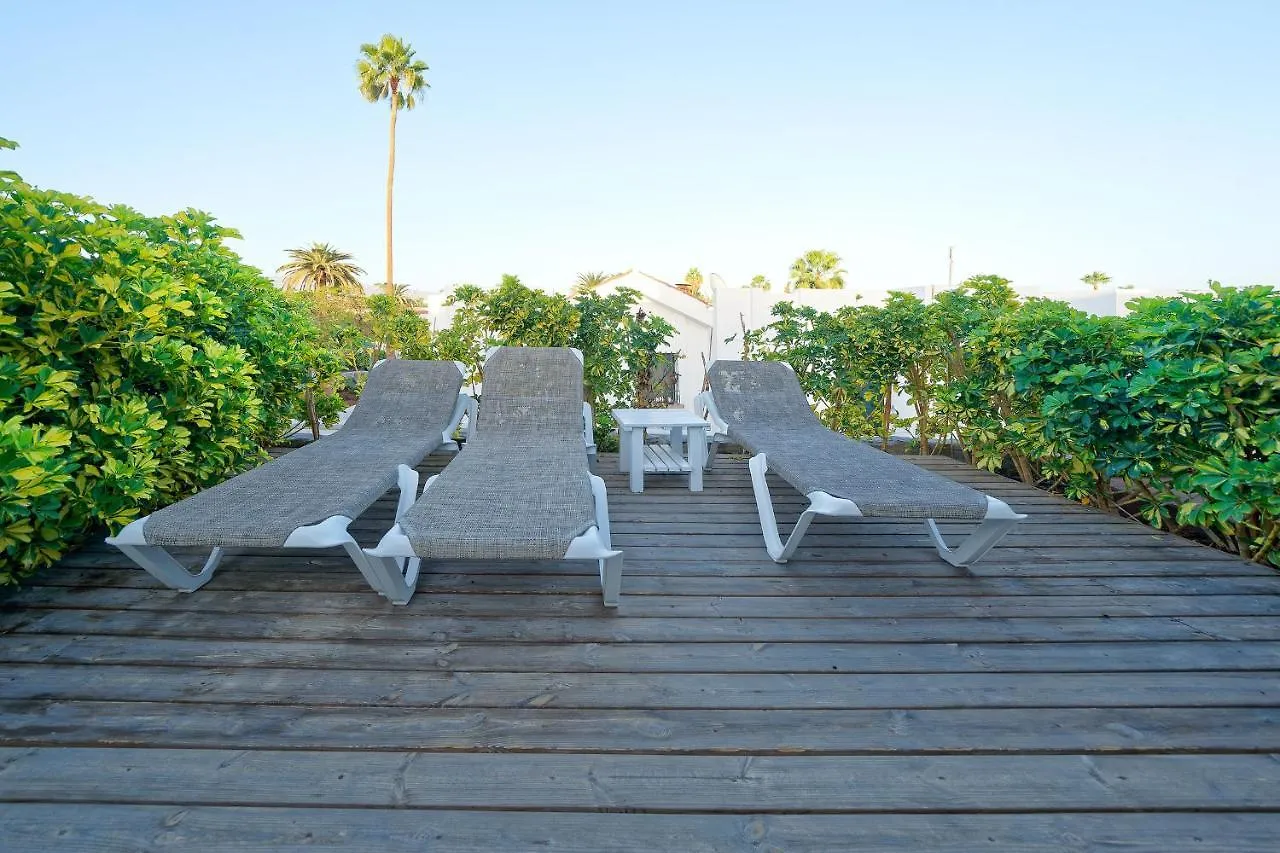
(638, 458)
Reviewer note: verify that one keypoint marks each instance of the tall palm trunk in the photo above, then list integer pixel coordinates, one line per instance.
(391, 177)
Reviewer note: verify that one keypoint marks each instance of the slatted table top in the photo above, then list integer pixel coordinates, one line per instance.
(635, 418)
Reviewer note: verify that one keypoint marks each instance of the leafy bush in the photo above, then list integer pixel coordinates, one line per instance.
(854, 360)
(617, 344)
(140, 360)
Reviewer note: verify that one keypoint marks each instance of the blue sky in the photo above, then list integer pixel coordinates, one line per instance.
(1042, 139)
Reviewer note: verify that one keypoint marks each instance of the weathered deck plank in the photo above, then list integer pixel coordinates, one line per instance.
(126, 829)
(224, 725)
(660, 783)
(865, 696)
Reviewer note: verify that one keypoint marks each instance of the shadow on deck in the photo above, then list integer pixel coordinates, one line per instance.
(1097, 684)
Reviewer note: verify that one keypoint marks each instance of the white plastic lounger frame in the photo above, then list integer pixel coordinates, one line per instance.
(388, 560)
(999, 520)
(330, 533)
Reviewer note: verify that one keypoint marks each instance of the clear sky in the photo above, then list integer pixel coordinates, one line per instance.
(1042, 139)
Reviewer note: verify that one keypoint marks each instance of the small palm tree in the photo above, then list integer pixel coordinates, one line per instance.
(388, 71)
(759, 282)
(320, 267)
(1096, 279)
(816, 269)
(400, 293)
(589, 281)
(692, 284)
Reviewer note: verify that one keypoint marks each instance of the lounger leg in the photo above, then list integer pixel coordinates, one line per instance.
(778, 551)
(1000, 520)
(713, 449)
(611, 563)
(163, 567)
(595, 544)
(387, 575)
(611, 578)
(976, 544)
(396, 578)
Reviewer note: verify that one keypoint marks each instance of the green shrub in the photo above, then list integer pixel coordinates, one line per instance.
(1208, 390)
(140, 360)
(617, 343)
(822, 349)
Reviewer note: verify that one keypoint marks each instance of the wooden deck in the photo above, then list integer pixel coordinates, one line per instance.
(1096, 686)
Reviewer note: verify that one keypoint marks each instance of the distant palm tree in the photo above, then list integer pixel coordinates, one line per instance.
(816, 269)
(1096, 279)
(402, 297)
(589, 281)
(388, 71)
(320, 267)
(693, 278)
(759, 282)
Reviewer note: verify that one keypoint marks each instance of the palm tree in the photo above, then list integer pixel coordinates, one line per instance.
(400, 293)
(692, 284)
(1096, 279)
(759, 282)
(816, 269)
(320, 267)
(589, 281)
(388, 71)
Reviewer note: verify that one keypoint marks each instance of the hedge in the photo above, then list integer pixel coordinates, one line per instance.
(140, 360)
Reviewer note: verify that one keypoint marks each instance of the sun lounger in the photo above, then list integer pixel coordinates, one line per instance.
(760, 406)
(308, 497)
(521, 488)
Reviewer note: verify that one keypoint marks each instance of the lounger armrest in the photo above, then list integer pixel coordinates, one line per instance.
(131, 534)
(393, 544)
(329, 533)
(465, 405)
(705, 405)
(998, 509)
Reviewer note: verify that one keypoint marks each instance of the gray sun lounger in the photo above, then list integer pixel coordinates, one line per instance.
(521, 489)
(308, 497)
(760, 406)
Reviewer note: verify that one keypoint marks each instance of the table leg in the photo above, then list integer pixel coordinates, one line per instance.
(635, 444)
(697, 457)
(624, 449)
(677, 441)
